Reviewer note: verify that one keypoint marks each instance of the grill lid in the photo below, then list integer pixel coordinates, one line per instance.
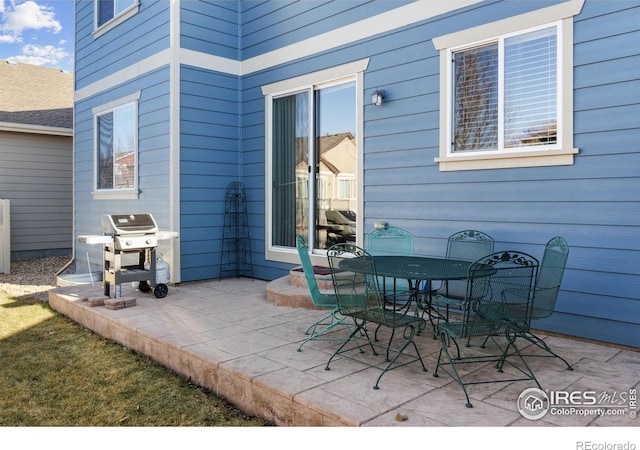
(118, 224)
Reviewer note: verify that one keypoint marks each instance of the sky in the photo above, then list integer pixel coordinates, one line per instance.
(38, 32)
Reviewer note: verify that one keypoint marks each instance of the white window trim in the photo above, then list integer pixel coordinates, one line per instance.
(99, 30)
(354, 69)
(563, 14)
(115, 194)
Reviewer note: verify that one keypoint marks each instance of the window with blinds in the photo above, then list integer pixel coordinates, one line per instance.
(505, 93)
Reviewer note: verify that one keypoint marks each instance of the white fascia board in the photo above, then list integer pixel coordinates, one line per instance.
(363, 29)
(509, 25)
(366, 28)
(211, 62)
(388, 21)
(131, 72)
(35, 129)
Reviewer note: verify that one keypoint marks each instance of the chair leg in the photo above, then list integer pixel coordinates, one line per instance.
(511, 343)
(537, 341)
(360, 327)
(334, 321)
(375, 333)
(393, 332)
(324, 322)
(445, 341)
(400, 351)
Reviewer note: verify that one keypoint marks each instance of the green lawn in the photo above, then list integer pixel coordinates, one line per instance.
(54, 372)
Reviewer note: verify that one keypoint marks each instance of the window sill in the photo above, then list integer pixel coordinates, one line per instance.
(115, 195)
(507, 161)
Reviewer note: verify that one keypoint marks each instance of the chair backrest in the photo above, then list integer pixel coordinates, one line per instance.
(549, 278)
(390, 241)
(499, 290)
(317, 297)
(356, 291)
(468, 245)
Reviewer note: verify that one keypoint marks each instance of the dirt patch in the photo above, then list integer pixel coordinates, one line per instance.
(32, 277)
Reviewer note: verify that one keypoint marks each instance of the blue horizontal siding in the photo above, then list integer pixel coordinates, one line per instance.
(210, 27)
(265, 30)
(591, 328)
(600, 20)
(497, 191)
(153, 154)
(594, 203)
(614, 47)
(210, 161)
(607, 119)
(578, 303)
(143, 35)
(609, 142)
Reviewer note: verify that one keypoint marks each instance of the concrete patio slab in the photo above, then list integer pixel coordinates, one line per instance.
(226, 336)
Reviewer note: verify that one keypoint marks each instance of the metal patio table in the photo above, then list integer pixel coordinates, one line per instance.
(420, 268)
(415, 269)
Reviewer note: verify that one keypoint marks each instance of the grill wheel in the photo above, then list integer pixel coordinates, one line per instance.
(161, 290)
(143, 286)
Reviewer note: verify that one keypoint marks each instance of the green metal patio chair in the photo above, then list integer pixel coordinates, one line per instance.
(360, 298)
(319, 329)
(392, 241)
(467, 245)
(546, 289)
(497, 303)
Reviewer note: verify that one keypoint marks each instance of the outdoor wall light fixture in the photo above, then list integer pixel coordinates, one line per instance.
(377, 96)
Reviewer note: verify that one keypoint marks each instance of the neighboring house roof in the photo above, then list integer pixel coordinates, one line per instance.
(326, 143)
(329, 141)
(35, 95)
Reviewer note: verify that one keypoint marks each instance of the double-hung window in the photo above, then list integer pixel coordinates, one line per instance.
(311, 148)
(116, 148)
(506, 99)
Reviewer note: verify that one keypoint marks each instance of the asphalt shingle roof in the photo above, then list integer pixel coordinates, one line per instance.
(35, 95)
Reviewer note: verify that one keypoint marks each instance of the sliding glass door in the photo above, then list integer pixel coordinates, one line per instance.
(313, 165)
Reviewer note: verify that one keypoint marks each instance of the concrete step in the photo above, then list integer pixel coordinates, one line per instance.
(292, 290)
